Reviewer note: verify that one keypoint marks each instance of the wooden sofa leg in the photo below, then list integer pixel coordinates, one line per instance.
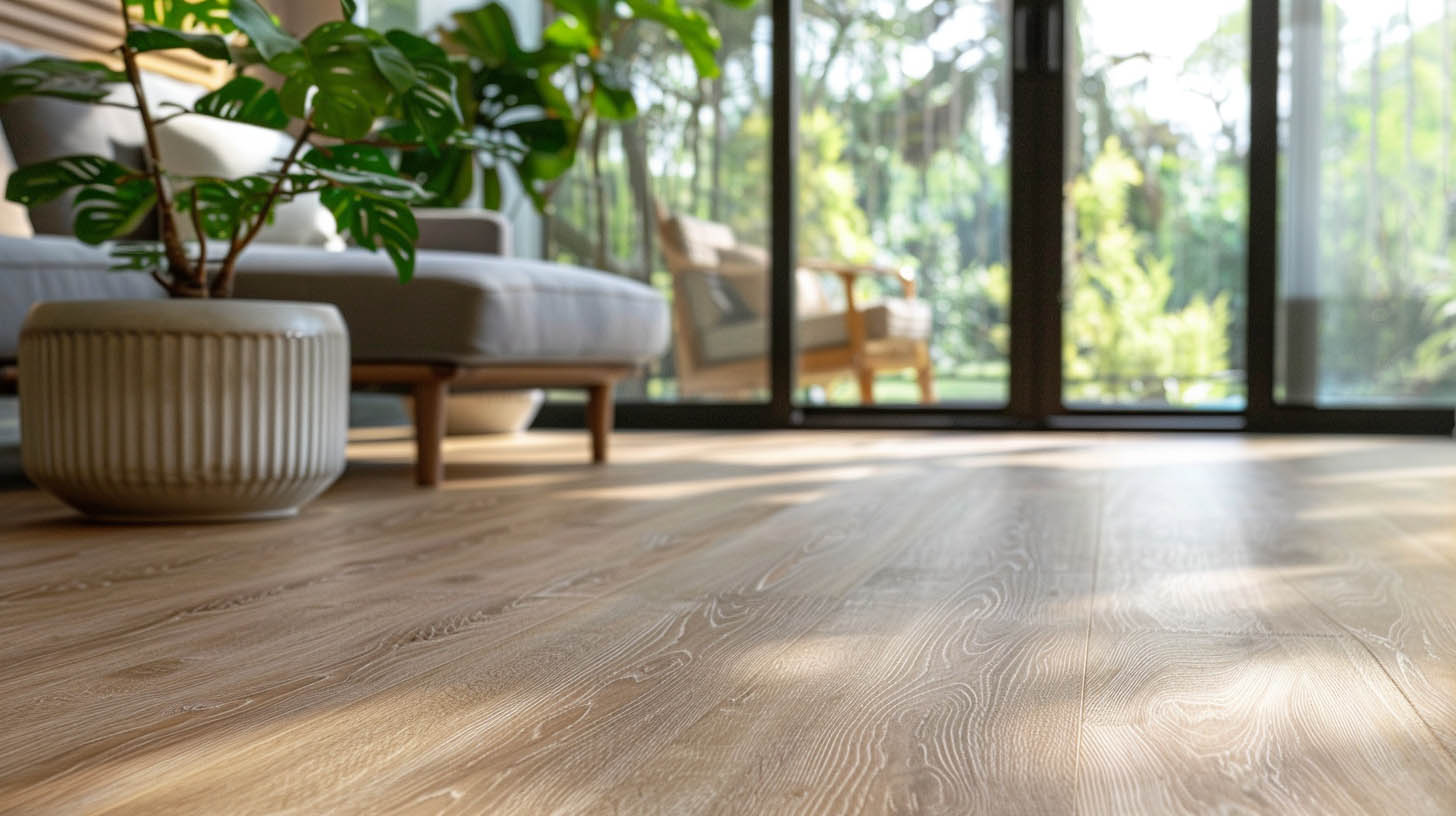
(430, 431)
(599, 419)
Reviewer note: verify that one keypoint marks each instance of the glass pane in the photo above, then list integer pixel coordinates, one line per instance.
(427, 17)
(1154, 279)
(903, 165)
(1368, 230)
(679, 198)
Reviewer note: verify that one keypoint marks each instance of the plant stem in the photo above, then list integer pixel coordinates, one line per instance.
(197, 228)
(222, 286)
(184, 281)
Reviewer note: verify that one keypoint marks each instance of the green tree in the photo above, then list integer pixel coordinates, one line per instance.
(1121, 337)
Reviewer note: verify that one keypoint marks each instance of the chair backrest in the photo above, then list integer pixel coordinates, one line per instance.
(701, 297)
(694, 241)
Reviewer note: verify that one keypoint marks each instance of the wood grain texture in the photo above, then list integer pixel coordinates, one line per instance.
(757, 623)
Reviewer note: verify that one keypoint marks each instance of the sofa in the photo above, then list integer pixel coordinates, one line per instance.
(473, 317)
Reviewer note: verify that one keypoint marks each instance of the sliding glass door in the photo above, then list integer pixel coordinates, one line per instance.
(1367, 282)
(1232, 213)
(1155, 205)
(903, 163)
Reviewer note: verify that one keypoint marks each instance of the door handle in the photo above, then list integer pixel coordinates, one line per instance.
(1036, 42)
(1019, 40)
(1054, 38)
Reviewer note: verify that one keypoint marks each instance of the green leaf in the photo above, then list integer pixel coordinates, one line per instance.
(352, 91)
(396, 69)
(613, 98)
(447, 175)
(343, 116)
(487, 34)
(365, 168)
(113, 200)
(52, 76)
(279, 49)
(570, 32)
(48, 180)
(142, 38)
(137, 256)
(183, 15)
(431, 103)
(349, 8)
(109, 207)
(692, 30)
(592, 13)
(374, 223)
(225, 205)
(530, 110)
(490, 188)
(293, 96)
(366, 158)
(245, 99)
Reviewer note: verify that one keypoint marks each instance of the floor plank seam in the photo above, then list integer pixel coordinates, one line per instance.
(1087, 641)
(1228, 633)
(1379, 664)
(1406, 535)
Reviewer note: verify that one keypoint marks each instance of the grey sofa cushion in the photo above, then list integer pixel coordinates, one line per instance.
(461, 308)
(468, 308)
(49, 267)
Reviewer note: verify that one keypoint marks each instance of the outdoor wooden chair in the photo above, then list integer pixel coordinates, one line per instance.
(720, 313)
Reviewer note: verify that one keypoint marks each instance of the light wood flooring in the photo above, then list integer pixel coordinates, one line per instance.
(824, 623)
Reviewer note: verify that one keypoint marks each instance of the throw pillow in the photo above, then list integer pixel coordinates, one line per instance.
(745, 267)
(206, 146)
(41, 128)
(14, 221)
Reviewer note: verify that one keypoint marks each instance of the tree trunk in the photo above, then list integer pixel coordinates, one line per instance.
(578, 243)
(1409, 177)
(694, 133)
(715, 192)
(1446, 90)
(634, 145)
(815, 97)
(599, 197)
(1070, 111)
(1372, 168)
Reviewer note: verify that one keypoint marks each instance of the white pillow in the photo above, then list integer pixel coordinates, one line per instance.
(208, 146)
(14, 219)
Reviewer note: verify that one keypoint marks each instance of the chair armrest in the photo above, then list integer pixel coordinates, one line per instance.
(848, 272)
(462, 230)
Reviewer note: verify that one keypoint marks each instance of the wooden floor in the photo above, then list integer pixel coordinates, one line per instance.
(758, 624)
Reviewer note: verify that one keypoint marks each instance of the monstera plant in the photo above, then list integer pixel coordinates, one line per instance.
(383, 121)
(343, 86)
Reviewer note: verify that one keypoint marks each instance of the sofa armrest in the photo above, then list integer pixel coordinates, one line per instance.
(461, 230)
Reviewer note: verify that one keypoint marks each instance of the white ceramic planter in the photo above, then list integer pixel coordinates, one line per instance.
(180, 410)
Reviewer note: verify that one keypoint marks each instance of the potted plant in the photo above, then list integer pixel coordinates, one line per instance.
(199, 407)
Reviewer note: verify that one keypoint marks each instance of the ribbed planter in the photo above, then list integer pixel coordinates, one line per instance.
(176, 410)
